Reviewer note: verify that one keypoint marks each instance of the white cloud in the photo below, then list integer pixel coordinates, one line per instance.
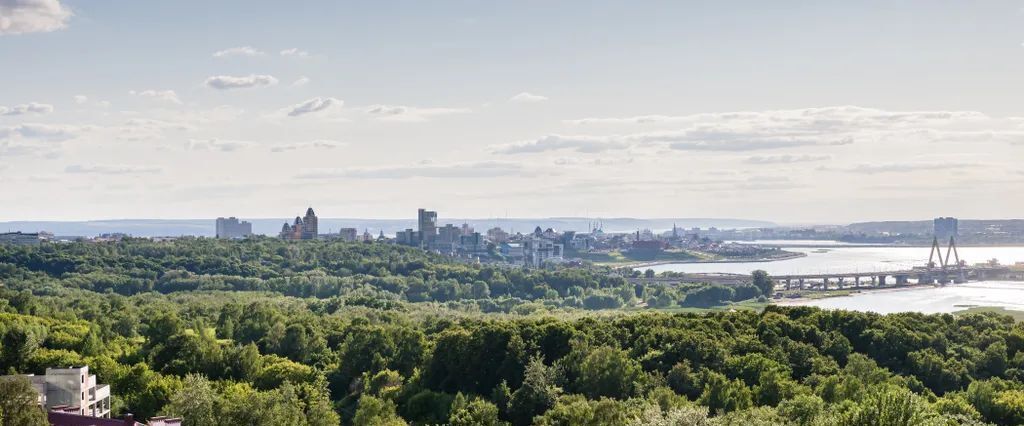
(786, 159)
(874, 168)
(44, 132)
(527, 97)
(111, 169)
(734, 144)
(80, 99)
(486, 169)
(775, 129)
(409, 113)
(806, 118)
(29, 108)
(137, 129)
(32, 16)
(8, 149)
(578, 143)
(225, 82)
(238, 51)
(217, 145)
(295, 52)
(314, 105)
(302, 81)
(160, 95)
(315, 144)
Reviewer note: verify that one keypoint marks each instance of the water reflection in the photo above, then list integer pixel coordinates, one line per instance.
(839, 259)
(847, 259)
(927, 300)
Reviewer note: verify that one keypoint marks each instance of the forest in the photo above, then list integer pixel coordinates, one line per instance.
(266, 332)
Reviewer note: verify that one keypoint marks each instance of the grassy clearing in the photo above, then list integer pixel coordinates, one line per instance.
(745, 305)
(1017, 315)
(617, 257)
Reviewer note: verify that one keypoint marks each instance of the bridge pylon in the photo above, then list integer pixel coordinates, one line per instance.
(944, 265)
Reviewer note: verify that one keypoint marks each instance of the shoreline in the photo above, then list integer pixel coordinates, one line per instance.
(792, 255)
(806, 244)
(799, 301)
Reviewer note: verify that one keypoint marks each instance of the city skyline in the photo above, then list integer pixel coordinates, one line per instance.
(790, 114)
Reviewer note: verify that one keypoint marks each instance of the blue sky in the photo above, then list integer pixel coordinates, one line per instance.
(794, 112)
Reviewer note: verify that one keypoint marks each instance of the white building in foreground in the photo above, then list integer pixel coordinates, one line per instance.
(72, 390)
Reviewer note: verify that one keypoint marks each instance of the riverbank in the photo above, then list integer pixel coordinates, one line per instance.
(813, 296)
(787, 256)
(1017, 315)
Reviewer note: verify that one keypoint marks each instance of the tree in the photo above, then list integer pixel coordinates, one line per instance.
(652, 415)
(708, 296)
(537, 394)
(610, 372)
(761, 280)
(376, 412)
(939, 373)
(480, 290)
(195, 403)
(892, 406)
(683, 380)
(477, 412)
(19, 344)
(774, 387)
(802, 409)
(993, 360)
(722, 394)
(578, 410)
(19, 403)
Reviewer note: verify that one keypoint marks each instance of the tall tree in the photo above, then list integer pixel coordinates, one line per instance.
(19, 403)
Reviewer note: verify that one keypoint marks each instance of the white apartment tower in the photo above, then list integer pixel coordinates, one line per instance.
(232, 228)
(72, 390)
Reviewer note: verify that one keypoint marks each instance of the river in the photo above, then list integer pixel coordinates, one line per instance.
(855, 258)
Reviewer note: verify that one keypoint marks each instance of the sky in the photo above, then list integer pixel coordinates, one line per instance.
(793, 111)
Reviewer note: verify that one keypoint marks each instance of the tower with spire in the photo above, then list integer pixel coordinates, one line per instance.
(310, 229)
(304, 228)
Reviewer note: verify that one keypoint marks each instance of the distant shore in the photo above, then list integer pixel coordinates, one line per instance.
(788, 256)
(799, 301)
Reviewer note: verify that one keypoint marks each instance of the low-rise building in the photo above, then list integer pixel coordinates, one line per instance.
(72, 390)
(537, 251)
(409, 237)
(511, 250)
(497, 235)
(472, 243)
(59, 417)
(348, 234)
(21, 238)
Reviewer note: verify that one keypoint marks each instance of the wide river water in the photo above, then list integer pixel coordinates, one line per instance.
(852, 258)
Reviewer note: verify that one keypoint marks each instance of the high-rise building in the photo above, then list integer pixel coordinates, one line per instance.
(232, 228)
(427, 221)
(310, 229)
(303, 229)
(946, 227)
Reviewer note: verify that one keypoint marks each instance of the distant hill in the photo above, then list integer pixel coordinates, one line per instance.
(206, 227)
(925, 227)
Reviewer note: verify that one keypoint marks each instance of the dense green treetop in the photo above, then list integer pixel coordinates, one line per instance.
(266, 332)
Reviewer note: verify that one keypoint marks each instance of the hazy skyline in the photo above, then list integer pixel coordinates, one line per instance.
(823, 112)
